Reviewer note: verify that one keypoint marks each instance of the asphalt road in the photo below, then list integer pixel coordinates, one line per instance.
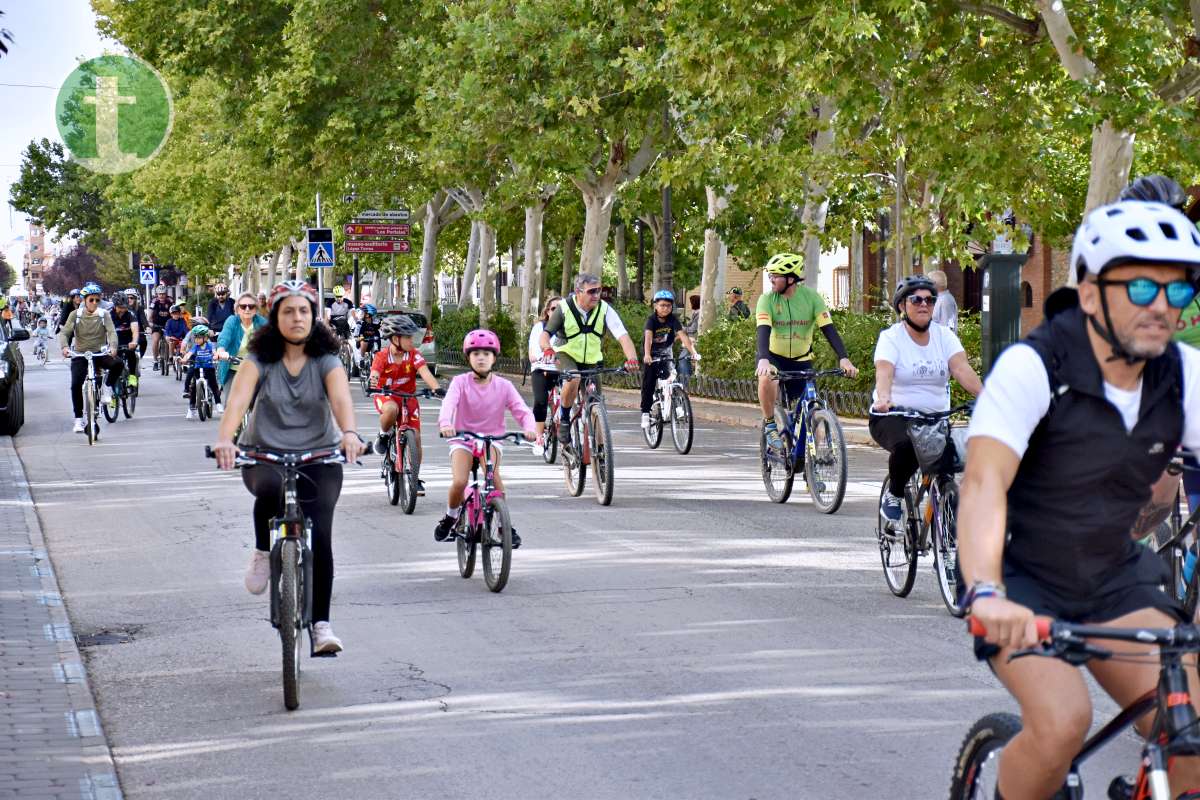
(693, 640)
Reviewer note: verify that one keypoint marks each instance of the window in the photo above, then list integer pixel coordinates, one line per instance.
(36, 261)
(1026, 294)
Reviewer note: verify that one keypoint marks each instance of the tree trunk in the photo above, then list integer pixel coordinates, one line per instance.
(531, 298)
(1112, 157)
(597, 205)
(857, 243)
(654, 229)
(467, 297)
(272, 267)
(599, 191)
(622, 267)
(487, 276)
(712, 254)
(286, 254)
(429, 238)
(901, 268)
(568, 264)
(816, 201)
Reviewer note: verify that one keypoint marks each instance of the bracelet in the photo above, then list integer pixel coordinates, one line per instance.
(981, 589)
(356, 433)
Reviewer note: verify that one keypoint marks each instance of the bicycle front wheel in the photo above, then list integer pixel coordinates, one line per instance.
(945, 545)
(289, 621)
(574, 470)
(89, 411)
(654, 431)
(497, 545)
(682, 428)
(778, 469)
(603, 468)
(825, 464)
(465, 540)
(977, 767)
(407, 475)
(897, 547)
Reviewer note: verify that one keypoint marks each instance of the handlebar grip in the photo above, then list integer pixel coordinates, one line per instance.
(208, 452)
(976, 628)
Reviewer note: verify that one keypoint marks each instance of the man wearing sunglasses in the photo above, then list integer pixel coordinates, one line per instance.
(1073, 427)
(581, 322)
(88, 329)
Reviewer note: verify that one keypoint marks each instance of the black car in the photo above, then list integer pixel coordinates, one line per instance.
(12, 375)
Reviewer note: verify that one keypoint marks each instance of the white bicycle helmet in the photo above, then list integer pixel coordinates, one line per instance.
(1134, 232)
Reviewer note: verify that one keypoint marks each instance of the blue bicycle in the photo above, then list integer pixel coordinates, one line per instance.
(811, 443)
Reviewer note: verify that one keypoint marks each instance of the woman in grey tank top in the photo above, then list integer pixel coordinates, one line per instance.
(302, 402)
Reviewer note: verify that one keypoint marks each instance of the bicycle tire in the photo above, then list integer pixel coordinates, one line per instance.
(466, 549)
(825, 463)
(289, 622)
(111, 413)
(945, 545)
(89, 411)
(497, 536)
(603, 459)
(976, 766)
(682, 423)
(407, 477)
(574, 470)
(654, 431)
(391, 478)
(178, 367)
(129, 401)
(778, 471)
(164, 355)
(899, 568)
(550, 443)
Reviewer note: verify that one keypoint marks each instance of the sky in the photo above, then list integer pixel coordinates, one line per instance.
(50, 38)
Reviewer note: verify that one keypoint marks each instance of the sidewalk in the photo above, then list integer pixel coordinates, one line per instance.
(51, 742)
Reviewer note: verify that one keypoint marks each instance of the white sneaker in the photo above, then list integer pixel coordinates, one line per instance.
(645, 421)
(78, 425)
(191, 413)
(219, 409)
(539, 448)
(258, 574)
(323, 639)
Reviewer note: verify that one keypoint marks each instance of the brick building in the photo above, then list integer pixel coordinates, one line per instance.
(37, 258)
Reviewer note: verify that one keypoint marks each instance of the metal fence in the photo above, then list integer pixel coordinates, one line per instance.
(736, 390)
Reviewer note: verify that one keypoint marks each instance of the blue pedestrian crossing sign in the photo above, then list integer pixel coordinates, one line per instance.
(320, 248)
(149, 276)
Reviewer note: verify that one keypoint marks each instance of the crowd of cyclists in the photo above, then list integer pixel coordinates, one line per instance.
(1065, 468)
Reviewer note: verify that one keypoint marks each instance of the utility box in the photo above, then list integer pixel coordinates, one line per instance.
(1000, 321)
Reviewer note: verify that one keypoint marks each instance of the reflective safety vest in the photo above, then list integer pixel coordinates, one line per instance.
(584, 337)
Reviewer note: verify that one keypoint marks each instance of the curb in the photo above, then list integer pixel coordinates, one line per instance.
(101, 782)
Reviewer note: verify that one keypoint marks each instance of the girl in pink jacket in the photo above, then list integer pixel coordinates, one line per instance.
(475, 402)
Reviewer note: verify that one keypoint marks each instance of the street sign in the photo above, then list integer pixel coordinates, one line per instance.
(149, 276)
(401, 214)
(320, 248)
(381, 246)
(377, 230)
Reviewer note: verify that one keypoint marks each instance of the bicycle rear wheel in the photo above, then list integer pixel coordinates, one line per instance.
(550, 442)
(89, 411)
(898, 548)
(574, 470)
(289, 621)
(603, 468)
(406, 478)
(976, 769)
(945, 544)
(465, 540)
(825, 464)
(681, 420)
(778, 469)
(497, 545)
(653, 433)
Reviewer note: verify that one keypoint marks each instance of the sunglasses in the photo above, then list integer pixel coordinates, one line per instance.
(91, 299)
(593, 292)
(921, 300)
(1144, 291)
(245, 307)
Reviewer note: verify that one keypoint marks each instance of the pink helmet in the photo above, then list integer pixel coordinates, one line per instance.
(480, 339)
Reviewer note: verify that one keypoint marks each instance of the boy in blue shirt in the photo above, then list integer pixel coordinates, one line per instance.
(203, 359)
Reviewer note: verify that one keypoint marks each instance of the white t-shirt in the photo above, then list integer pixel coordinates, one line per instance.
(1016, 395)
(535, 349)
(922, 380)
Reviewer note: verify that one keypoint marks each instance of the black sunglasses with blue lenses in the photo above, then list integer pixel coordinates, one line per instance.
(1144, 291)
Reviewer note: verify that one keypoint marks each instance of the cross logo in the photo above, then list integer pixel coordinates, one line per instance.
(114, 113)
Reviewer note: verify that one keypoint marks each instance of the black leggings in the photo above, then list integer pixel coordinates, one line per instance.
(130, 357)
(891, 433)
(542, 382)
(651, 375)
(317, 490)
(114, 365)
(210, 376)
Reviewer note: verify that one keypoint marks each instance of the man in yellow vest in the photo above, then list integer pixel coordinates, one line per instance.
(580, 323)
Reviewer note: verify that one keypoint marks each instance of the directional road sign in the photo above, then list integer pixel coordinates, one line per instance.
(400, 214)
(149, 276)
(368, 229)
(384, 246)
(320, 248)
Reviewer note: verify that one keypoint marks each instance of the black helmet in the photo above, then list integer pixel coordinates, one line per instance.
(118, 300)
(401, 325)
(907, 286)
(1156, 189)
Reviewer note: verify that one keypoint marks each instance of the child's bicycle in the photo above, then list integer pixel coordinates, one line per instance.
(673, 407)
(401, 464)
(203, 394)
(41, 353)
(483, 519)
(291, 561)
(1176, 729)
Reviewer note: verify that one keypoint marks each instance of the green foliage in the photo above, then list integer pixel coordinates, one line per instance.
(633, 314)
(451, 327)
(503, 325)
(8, 275)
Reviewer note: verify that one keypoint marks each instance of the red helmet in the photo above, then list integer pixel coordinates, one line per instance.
(481, 339)
(292, 289)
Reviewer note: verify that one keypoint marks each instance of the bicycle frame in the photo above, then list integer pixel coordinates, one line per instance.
(803, 408)
(476, 498)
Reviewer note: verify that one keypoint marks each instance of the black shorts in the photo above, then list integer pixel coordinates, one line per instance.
(794, 389)
(1150, 577)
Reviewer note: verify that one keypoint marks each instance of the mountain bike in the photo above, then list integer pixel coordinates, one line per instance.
(1178, 547)
(1176, 730)
(483, 519)
(291, 561)
(591, 437)
(401, 462)
(364, 364)
(95, 393)
(126, 392)
(811, 443)
(671, 406)
(162, 355)
(929, 508)
(346, 355)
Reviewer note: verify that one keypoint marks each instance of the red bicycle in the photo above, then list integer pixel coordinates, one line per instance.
(401, 461)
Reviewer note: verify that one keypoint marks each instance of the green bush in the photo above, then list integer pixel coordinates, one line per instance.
(504, 326)
(633, 314)
(451, 327)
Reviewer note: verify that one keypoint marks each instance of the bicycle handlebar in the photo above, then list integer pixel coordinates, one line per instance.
(1044, 625)
(103, 351)
(1069, 640)
(262, 455)
(426, 393)
(928, 416)
(516, 438)
(806, 374)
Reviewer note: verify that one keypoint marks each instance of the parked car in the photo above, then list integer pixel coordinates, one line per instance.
(427, 345)
(12, 378)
